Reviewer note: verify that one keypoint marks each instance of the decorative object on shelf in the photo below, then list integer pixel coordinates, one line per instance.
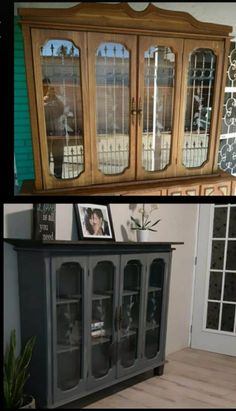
(44, 222)
(144, 224)
(128, 316)
(97, 329)
(16, 374)
(94, 221)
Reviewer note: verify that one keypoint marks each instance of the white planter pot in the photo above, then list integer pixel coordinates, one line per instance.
(142, 235)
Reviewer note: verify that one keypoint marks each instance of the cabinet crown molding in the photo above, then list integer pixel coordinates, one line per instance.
(122, 15)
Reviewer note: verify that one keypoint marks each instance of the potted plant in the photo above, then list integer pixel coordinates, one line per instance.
(143, 224)
(15, 374)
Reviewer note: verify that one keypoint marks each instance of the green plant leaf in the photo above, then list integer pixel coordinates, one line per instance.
(135, 222)
(155, 223)
(26, 354)
(16, 372)
(150, 229)
(148, 222)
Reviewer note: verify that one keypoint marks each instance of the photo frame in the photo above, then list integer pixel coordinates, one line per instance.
(94, 222)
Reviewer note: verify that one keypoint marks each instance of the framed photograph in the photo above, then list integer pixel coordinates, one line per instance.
(94, 222)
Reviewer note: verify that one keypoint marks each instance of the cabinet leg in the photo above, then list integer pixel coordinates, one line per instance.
(159, 370)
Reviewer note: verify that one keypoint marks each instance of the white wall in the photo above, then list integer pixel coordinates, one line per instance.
(178, 223)
(221, 13)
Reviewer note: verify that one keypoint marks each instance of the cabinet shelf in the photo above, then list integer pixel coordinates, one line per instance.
(130, 292)
(150, 326)
(101, 296)
(61, 348)
(68, 300)
(129, 334)
(100, 340)
(154, 289)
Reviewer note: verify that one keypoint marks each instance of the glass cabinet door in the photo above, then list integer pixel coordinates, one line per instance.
(130, 313)
(60, 69)
(160, 67)
(203, 67)
(103, 286)
(112, 71)
(154, 306)
(68, 324)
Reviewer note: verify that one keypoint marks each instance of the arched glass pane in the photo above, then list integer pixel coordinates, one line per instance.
(60, 64)
(154, 304)
(112, 107)
(69, 280)
(201, 78)
(159, 80)
(102, 315)
(130, 313)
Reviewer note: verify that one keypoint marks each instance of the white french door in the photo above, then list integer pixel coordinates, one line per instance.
(214, 304)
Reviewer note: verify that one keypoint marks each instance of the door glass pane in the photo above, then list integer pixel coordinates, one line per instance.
(217, 256)
(112, 107)
(154, 308)
(227, 320)
(102, 315)
(230, 287)
(130, 313)
(201, 79)
(60, 64)
(69, 325)
(222, 282)
(215, 285)
(232, 221)
(220, 216)
(231, 256)
(159, 81)
(213, 312)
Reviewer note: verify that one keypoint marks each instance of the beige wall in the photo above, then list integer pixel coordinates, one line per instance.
(178, 223)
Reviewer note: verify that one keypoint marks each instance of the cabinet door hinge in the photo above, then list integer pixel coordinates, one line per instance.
(191, 329)
(195, 261)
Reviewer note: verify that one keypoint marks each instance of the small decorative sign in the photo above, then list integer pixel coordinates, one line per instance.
(44, 222)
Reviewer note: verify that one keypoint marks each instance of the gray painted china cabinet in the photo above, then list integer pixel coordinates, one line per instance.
(98, 311)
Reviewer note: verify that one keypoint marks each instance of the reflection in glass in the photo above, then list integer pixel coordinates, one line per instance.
(231, 256)
(217, 256)
(215, 286)
(69, 325)
(154, 303)
(230, 287)
(130, 313)
(219, 228)
(232, 222)
(227, 320)
(159, 79)
(102, 315)
(201, 79)
(112, 107)
(60, 64)
(213, 312)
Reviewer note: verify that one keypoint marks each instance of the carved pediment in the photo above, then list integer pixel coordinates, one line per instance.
(123, 16)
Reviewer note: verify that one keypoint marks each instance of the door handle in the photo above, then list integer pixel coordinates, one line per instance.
(116, 319)
(120, 317)
(133, 110)
(140, 110)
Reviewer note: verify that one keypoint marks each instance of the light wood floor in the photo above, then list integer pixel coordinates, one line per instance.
(192, 378)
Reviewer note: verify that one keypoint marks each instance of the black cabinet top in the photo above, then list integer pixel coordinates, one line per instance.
(91, 246)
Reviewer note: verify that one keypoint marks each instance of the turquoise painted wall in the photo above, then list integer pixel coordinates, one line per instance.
(22, 129)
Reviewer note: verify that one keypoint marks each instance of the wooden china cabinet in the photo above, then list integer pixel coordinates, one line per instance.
(125, 102)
